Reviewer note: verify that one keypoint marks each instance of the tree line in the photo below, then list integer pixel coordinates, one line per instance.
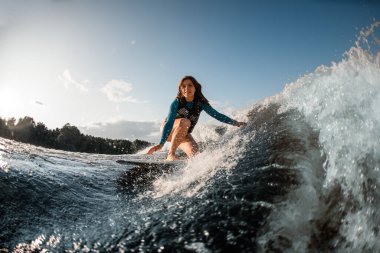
(67, 138)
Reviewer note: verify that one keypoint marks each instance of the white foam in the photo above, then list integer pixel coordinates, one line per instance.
(342, 102)
(189, 180)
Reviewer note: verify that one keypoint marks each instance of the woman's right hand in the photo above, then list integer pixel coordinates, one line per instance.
(154, 149)
(239, 124)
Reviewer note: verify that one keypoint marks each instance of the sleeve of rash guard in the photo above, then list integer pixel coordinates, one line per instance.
(169, 122)
(217, 115)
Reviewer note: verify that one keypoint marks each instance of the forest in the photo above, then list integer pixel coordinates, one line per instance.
(67, 138)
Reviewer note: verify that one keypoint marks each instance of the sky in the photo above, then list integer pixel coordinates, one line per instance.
(112, 68)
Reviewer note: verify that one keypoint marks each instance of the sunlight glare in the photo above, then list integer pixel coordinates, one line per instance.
(8, 102)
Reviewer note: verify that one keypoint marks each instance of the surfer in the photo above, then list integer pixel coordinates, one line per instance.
(183, 116)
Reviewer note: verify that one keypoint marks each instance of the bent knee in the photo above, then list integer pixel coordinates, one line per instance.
(185, 123)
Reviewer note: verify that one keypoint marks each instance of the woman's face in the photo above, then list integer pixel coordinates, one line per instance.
(188, 89)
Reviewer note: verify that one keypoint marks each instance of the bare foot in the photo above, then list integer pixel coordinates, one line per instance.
(171, 157)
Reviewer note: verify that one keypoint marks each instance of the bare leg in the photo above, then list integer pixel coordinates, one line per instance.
(189, 146)
(178, 135)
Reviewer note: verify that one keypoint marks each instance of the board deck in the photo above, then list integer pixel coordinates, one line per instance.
(151, 162)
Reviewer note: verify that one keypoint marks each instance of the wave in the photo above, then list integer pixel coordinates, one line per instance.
(342, 103)
(302, 176)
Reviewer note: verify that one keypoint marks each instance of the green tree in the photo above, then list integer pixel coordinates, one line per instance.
(24, 128)
(139, 144)
(4, 130)
(69, 137)
(11, 122)
(41, 135)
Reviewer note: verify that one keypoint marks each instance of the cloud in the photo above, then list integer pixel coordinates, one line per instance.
(117, 91)
(224, 106)
(214, 103)
(70, 83)
(124, 129)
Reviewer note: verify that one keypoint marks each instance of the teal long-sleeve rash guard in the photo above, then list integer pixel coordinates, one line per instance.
(173, 113)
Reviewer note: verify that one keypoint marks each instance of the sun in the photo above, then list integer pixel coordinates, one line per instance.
(9, 102)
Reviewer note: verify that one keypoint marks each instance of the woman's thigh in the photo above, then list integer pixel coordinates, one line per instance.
(175, 125)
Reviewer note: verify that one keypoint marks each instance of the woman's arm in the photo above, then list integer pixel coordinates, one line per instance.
(169, 122)
(167, 128)
(217, 115)
(221, 117)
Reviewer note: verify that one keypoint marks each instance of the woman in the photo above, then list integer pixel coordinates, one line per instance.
(183, 116)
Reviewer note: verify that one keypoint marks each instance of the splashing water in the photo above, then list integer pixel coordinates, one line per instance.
(302, 176)
(342, 102)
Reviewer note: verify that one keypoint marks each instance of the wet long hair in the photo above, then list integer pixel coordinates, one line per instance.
(198, 90)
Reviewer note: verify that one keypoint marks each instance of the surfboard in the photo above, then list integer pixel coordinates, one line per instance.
(152, 162)
(144, 172)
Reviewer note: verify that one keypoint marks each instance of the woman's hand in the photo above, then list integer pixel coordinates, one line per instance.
(154, 149)
(239, 124)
